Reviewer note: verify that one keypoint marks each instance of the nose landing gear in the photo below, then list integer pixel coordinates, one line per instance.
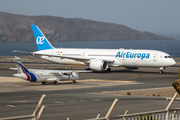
(161, 70)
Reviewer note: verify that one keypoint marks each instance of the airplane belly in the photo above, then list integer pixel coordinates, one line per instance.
(141, 63)
(48, 78)
(148, 63)
(132, 62)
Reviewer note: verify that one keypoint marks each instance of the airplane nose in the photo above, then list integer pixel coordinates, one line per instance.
(173, 62)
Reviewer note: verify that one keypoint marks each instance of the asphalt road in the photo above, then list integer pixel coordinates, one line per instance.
(77, 101)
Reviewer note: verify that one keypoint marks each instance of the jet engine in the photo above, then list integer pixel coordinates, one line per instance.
(98, 65)
(74, 76)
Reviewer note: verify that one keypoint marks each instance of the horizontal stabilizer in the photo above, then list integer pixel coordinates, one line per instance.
(22, 52)
(13, 68)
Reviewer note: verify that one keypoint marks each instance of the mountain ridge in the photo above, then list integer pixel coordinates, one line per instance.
(17, 28)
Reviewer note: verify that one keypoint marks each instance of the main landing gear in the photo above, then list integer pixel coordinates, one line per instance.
(56, 82)
(161, 70)
(108, 70)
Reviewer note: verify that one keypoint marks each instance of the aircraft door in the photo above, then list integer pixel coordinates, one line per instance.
(155, 56)
(84, 54)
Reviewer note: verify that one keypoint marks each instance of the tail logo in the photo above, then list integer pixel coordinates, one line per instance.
(30, 76)
(40, 40)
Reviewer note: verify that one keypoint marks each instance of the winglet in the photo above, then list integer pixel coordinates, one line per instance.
(41, 40)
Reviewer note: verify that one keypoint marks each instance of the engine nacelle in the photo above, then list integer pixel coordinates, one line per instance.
(98, 65)
(74, 76)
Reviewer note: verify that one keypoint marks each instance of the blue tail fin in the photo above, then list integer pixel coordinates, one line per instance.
(41, 41)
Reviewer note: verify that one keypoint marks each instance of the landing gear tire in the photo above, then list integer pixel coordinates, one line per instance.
(43, 83)
(56, 82)
(161, 70)
(74, 81)
(88, 69)
(108, 70)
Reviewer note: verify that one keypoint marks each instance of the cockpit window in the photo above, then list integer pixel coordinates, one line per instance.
(167, 56)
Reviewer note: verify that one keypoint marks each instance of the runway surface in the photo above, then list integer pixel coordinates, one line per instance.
(76, 101)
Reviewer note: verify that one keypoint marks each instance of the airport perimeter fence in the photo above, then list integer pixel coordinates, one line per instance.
(36, 114)
(167, 114)
(173, 114)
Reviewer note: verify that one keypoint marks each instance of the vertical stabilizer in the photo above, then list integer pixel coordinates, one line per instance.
(21, 68)
(41, 40)
(23, 72)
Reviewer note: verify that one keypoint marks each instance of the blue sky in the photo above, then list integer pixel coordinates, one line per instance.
(157, 16)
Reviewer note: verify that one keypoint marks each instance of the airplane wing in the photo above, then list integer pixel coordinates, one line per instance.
(68, 57)
(55, 73)
(67, 71)
(79, 58)
(78, 71)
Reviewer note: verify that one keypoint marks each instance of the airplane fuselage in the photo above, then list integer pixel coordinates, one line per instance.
(120, 57)
(45, 76)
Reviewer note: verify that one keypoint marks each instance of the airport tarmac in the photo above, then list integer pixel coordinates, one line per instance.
(77, 101)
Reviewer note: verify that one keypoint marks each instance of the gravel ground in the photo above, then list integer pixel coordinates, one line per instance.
(161, 92)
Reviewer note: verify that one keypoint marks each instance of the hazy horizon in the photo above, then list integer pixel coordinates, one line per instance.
(154, 16)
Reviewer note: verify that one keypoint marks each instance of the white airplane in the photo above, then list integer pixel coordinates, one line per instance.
(99, 59)
(45, 76)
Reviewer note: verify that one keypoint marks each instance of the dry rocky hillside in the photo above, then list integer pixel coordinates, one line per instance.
(17, 28)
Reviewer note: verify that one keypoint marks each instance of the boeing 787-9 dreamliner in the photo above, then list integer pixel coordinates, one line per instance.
(100, 59)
